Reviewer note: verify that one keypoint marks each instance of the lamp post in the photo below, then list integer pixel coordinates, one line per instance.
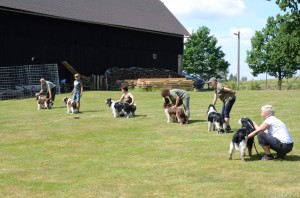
(238, 60)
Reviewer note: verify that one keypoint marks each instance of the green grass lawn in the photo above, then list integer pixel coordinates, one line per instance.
(48, 153)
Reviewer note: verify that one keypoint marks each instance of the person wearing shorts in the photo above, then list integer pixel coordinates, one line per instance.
(77, 91)
(272, 134)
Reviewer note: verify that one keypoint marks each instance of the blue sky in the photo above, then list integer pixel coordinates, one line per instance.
(224, 18)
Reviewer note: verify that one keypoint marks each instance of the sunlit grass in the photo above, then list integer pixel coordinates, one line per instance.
(51, 154)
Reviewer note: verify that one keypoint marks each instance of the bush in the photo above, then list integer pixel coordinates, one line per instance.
(232, 85)
(254, 85)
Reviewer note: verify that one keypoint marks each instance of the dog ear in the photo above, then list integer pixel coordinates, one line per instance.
(240, 121)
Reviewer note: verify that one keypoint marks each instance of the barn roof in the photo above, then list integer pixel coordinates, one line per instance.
(148, 15)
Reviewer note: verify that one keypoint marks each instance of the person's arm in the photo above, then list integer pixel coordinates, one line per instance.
(177, 101)
(262, 127)
(122, 97)
(81, 89)
(215, 99)
(39, 93)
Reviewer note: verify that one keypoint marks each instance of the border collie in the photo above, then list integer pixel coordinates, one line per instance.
(174, 114)
(215, 120)
(120, 109)
(240, 140)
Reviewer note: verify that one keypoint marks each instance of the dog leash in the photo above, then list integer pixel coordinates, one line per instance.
(256, 149)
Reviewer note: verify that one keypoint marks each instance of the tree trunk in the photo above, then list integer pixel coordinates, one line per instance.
(279, 83)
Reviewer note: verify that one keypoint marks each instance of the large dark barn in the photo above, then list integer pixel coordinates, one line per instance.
(92, 36)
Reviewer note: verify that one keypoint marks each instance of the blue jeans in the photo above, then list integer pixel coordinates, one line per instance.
(227, 108)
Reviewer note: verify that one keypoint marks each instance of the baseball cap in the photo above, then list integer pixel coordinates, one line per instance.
(212, 79)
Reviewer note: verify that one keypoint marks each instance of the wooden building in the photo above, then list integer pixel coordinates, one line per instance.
(91, 35)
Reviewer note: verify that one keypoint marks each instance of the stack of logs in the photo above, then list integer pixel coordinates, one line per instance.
(164, 83)
(146, 78)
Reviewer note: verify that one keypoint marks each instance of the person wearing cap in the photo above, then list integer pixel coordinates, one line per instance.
(49, 87)
(77, 91)
(178, 97)
(226, 95)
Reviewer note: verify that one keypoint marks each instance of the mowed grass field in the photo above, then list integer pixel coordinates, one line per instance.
(48, 153)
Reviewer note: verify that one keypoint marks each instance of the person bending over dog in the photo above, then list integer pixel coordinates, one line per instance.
(227, 96)
(49, 87)
(126, 97)
(178, 97)
(272, 134)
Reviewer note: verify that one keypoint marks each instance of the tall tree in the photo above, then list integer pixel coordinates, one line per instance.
(275, 49)
(291, 4)
(203, 56)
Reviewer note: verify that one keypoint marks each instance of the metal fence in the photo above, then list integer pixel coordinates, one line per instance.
(24, 81)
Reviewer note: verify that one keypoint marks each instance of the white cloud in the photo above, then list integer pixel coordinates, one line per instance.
(206, 7)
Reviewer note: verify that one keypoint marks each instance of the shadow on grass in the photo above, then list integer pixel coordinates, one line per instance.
(292, 158)
(91, 111)
(256, 157)
(141, 116)
(61, 107)
(196, 121)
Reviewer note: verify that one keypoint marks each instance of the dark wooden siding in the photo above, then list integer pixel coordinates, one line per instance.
(89, 48)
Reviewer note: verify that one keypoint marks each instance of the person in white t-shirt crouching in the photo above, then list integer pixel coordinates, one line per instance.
(272, 134)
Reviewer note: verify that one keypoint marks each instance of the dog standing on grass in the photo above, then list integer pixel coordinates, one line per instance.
(71, 105)
(215, 120)
(174, 114)
(240, 140)
(44, 103)
(120, 109)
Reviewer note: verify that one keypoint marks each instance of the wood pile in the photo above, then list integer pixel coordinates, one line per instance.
(116, 76)
(164, 83)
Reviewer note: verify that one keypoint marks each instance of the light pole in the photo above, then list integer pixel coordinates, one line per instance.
(238, 60)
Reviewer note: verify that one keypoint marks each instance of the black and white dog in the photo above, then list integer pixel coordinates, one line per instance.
(120, 109)
(215, 120)
(240, 140)
(71, 105)
(44, 103)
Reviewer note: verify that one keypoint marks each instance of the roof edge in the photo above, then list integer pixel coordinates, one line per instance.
(89, 22)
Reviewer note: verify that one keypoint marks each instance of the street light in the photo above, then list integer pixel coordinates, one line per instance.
(238, 59)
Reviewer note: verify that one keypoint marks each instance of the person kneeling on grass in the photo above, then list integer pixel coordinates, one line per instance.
(272, 134)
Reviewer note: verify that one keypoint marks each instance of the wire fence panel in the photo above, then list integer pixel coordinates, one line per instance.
(24, 81)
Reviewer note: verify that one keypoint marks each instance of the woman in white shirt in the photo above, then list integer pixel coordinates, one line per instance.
(272, 134)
